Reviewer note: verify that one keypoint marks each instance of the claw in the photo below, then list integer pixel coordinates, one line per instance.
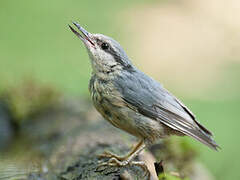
(114, 162)
(120, 161)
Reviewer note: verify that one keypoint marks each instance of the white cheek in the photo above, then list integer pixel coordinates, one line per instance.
(105, 58)
(100, 59)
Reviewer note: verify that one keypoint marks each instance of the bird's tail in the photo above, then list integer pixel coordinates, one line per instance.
(205, 136)
(197, 131)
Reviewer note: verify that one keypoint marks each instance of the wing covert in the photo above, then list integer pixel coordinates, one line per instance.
(150, 99)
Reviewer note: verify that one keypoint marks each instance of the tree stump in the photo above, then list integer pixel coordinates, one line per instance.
(68, 137)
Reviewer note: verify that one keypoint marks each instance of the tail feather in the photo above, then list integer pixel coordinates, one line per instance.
(208, 137)
(205, 138)
(198, 132)
(205, 130)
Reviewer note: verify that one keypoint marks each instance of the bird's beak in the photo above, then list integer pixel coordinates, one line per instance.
(86, 35)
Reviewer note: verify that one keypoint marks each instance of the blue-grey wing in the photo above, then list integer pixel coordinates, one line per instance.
(150, 99)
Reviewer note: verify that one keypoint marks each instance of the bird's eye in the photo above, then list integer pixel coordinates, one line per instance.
(104, 46)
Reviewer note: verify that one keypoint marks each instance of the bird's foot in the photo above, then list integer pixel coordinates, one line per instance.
(114, 162)
(118, 163)
(121, 161)
(107, 154)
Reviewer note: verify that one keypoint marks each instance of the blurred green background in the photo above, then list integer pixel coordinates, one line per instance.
(192, 47)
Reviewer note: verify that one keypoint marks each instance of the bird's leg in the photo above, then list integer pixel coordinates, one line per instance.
(123, 161)
(108, 154)
(126, 160)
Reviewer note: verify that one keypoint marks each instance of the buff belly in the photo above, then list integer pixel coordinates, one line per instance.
(134, 123)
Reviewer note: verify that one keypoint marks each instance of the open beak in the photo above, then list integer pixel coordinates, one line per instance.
(86, 35)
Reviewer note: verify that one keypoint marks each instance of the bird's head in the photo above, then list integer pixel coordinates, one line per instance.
(105, 53)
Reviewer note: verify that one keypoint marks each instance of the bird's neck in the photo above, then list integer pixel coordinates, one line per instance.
(105, 71)
(105, 75)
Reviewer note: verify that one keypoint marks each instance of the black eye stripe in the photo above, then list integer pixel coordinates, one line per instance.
(105, 46)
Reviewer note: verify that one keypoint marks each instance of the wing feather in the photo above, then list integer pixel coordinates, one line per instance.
(150, 99)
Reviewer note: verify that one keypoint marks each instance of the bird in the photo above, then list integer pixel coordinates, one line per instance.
(134, 102)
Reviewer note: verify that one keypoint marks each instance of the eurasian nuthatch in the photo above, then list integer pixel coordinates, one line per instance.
(134, 102)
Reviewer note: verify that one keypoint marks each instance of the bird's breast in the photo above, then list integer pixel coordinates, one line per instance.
(107, 101)
(103, 93)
